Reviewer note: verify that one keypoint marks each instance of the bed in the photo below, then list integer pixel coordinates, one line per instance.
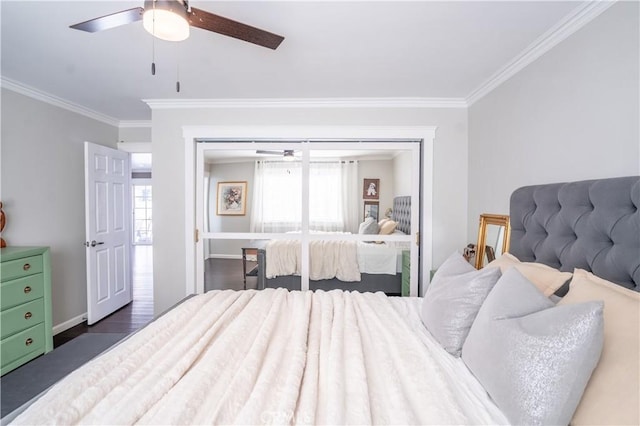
(364, 272)
(281, 357)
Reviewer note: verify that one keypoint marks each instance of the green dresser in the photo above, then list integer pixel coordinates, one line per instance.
(25, 305)
(406, 273)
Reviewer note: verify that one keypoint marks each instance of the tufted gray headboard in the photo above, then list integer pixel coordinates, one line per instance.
(592, 225)
(402, 213)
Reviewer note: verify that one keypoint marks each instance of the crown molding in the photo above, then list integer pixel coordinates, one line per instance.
(39, 95)
(576, 19)
(308, 103)
(130, 124)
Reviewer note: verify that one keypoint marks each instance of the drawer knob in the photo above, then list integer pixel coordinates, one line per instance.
(28, 341)
(26, 267)
(27, 290)
(27, 315)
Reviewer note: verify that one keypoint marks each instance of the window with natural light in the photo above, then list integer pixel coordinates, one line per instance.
(278, 196)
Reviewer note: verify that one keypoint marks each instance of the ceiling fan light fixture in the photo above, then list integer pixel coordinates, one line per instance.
(166, 19)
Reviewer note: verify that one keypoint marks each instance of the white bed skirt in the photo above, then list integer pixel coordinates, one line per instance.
(272, 357)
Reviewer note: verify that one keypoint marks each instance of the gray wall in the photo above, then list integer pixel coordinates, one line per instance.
(43, 189)
(402, 174)
(135, 134)
(449, 174)
(224, 173)
(570, 115)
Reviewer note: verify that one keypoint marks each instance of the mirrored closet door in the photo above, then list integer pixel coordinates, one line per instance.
(308, 215)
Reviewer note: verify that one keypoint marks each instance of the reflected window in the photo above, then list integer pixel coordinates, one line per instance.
(278, 196)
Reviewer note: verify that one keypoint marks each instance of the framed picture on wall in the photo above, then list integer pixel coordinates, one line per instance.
(371, 209)
(232, 199)
(371, 189)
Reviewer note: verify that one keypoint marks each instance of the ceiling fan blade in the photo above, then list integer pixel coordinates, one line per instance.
(221, 25)
(110, 21)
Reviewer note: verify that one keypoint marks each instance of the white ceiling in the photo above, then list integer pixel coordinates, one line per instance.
(332, 49)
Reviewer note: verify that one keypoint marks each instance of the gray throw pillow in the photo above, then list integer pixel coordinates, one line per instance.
(453, 299)
(533, 358)
(369, 226)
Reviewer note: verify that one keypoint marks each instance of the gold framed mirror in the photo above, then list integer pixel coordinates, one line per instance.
(493, 238)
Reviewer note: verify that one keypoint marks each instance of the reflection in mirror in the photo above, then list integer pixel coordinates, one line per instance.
(273, 201)
(493, 238)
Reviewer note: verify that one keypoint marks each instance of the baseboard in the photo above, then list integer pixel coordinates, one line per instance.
(225, 256)
(57, 329)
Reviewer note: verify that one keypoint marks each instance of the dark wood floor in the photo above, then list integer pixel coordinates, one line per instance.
(220, 274)
(134, 315)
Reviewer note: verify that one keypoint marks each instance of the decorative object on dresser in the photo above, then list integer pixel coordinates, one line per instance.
(493, 238)
(3, 221)
(25, 318)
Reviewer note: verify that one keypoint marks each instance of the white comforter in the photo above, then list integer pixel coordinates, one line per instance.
(261, 357)
(328, 259)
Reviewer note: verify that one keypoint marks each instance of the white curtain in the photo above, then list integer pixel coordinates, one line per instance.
(277, 196)
(350, 196)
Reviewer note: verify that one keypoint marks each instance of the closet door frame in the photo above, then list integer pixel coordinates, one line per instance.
(194, 280)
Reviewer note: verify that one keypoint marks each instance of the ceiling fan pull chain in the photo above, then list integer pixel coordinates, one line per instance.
(178, 78)
(153, 42)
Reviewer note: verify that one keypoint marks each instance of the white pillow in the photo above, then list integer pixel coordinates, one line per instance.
(453, 300)
(369, 226)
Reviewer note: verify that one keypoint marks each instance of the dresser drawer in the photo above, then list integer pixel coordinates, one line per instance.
(20, 268)
(21, 317)
(17, 292)
(28, 342)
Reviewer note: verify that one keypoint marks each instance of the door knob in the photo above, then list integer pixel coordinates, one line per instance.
(93, 243)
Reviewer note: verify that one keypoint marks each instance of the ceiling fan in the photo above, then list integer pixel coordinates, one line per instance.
(171, 19)
(287, 154)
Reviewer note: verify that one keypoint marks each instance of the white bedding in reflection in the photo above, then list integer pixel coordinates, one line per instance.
(385, 258)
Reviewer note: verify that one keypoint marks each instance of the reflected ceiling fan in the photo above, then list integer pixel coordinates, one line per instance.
(170, 20)
(287, 154)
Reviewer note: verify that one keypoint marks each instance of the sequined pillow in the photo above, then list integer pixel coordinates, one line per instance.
(532, 357)
(453, 299)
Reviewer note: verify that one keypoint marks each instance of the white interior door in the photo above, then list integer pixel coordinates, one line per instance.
(107, 209)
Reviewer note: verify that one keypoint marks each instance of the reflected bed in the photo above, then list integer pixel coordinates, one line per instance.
(370, 256)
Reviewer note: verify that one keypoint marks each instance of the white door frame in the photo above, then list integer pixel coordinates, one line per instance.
(193, 133)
